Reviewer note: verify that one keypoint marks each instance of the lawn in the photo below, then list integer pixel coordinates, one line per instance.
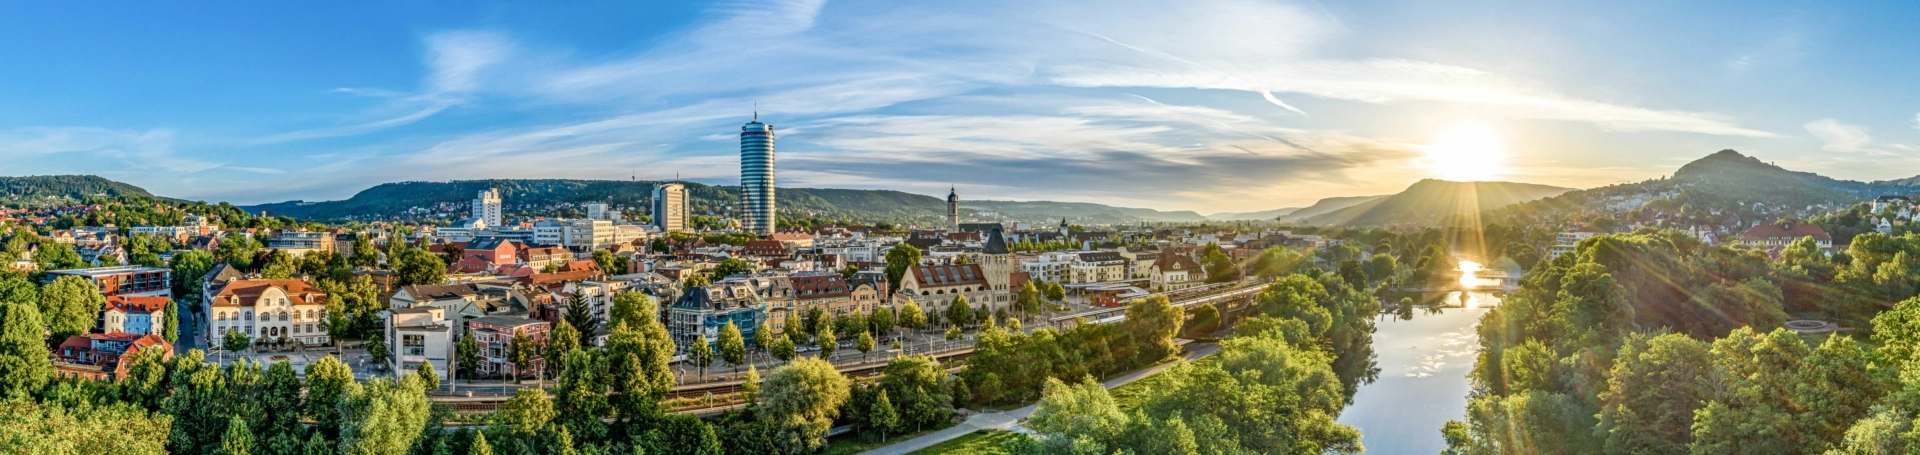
(853, 444)
(985, 442)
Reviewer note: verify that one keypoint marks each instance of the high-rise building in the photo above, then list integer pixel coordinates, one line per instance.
(486, 207)
(756, 176)
(602, 211)
(953, 210)
(670, 207)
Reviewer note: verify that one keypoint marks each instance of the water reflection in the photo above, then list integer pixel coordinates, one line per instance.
(1423, 377)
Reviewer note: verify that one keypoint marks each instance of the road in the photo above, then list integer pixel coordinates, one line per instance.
(1009, 419)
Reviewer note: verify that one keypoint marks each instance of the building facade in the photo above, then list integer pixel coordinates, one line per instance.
(756, 177)
(670, 207)
(129, 280)
(495, 335)
(421, 335)
(704, 310)
(136, 315)
(266, 309)
(486, 207)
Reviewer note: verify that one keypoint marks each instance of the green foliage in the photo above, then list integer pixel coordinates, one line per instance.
(911, 317)
(1205, 320)
(733, 348)
(418, 266)
(238, 440)
(24, 364)
(383, 417)
(802, 399)
(467, 357)
(579, 314)
(30, 428)
(899, 259)
(70, 304)
(329, 382)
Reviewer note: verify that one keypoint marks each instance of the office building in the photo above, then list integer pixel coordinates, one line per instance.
(486, 207)
(756, 177)
(670, 207)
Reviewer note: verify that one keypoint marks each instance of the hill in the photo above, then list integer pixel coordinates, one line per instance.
(1729, 172)
(54, 188)
(1328, 205)
(1431, 201)
(417, 200)
(1252, 216)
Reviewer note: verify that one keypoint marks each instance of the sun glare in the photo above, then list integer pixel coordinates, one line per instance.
(1466, 152)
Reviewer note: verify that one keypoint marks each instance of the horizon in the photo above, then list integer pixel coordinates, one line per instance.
(1226, 106)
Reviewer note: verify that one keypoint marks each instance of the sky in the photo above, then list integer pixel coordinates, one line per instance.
(1204, 105)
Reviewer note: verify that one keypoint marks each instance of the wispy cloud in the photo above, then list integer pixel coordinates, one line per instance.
(1839, 137)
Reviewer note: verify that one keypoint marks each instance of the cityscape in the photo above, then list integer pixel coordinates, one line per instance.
(1152, 238)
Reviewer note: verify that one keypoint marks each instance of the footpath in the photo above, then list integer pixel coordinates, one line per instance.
(1003, 420)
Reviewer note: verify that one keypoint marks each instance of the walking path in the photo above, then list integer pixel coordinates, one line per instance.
(997, 420)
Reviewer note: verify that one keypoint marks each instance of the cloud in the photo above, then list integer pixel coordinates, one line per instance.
(456, 58)
(1916, 121)
(1839, 137)
(94, 148)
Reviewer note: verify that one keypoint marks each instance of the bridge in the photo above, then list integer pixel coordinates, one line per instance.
(1231, 296)
(865, 369)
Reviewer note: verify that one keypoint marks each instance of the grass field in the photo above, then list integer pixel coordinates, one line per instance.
(986, 442)
(851, 444)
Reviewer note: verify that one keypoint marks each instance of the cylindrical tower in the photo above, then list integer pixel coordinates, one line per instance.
(756, 176)
(953, 210)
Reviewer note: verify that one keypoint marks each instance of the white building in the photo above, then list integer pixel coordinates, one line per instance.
(130, 314)
(266, 309)
(486, 207)
(421, 335)
(670, 207)
(600, 211)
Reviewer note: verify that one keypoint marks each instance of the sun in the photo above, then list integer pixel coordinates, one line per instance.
(1466, 152)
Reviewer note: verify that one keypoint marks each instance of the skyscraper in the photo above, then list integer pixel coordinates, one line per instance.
(670, 207)
(756, 176)
(953, 210)
(486, 207)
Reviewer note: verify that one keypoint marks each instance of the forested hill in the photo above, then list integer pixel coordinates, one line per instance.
(548, 196)
(1729, 172)
(54, 188)
(1430, 201)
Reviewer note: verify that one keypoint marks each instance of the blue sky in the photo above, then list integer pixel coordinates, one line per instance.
(1200, 105)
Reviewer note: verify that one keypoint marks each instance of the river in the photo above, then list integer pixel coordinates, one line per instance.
(1423, 378)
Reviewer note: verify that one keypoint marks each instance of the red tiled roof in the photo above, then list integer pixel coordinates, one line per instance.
(248, 291)
(1171, 259)
(130, 305)
(933, 276)
(1787, 231)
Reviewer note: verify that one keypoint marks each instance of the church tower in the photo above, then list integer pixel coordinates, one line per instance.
(953, 210)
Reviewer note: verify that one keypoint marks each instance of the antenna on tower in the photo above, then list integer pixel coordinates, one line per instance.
(756, 111)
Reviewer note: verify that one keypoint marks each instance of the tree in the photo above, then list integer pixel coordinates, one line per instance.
(377, 349)
(864, 344)
(802, 399)
(328, 382)
(700, 354)
(731, 267)
(884, 417)
(579, 314)
(520, 351)
(733, 348)
(235, 341)
(750, 386)
(24, 364)
(883, 320)
(467, 355)
(953, 333)
(634, 309)
(762, 336)
(694, 281)
(827, 343)
(70, 304)
(480, 446)
(385, 416)
(1027, 300)
(237, 251)
(1070, 413)
(608, 263)
(170, 322)
(427, 376)
(782, 348)
(564, 339)
(959, 313)
(1055, 291)
(1152, 322)
(363, 253)
(911, 317)
(280, 265)
(1206, 319)
(280, 390)
(581, 398)
(899, 259)
(421, 267)
(527, 413)
(238, 440)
